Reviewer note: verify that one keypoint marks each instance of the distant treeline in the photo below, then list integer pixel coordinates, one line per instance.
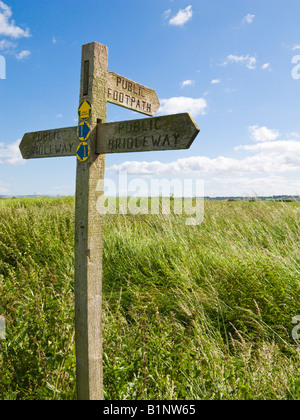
(284, 198)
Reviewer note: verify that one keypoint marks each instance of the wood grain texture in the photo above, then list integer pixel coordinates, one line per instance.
(171, 132)
(129, 94)
(88, 235)
(49, 143)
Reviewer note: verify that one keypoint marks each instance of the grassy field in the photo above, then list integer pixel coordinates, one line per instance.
(189, 312)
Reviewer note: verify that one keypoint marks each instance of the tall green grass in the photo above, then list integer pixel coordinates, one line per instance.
(189, 312)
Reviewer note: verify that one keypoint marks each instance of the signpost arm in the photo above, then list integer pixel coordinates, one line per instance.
(88, 233)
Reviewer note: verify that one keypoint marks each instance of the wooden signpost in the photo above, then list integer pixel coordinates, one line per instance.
(90, 141)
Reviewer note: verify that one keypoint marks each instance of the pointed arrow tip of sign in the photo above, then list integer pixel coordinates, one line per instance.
(23, 148)
(197, 130)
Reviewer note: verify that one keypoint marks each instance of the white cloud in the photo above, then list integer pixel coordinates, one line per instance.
(59, 116)
(296, 47)
(7, 45)
(215, 81)
(11, 154)
(182, 17)
(187, 83)
(249, 18)
(23, 54)
(266, 66)
(7, 26)
(249, 61)
(295, 135)
(177, 105)
(261, 134)
(261, 163)
(280, 146)
(167, 14)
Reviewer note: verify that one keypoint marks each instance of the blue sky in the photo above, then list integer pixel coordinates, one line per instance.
(232, 64)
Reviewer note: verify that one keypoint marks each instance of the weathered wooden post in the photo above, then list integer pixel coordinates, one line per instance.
(99, 86)
(88, 233)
